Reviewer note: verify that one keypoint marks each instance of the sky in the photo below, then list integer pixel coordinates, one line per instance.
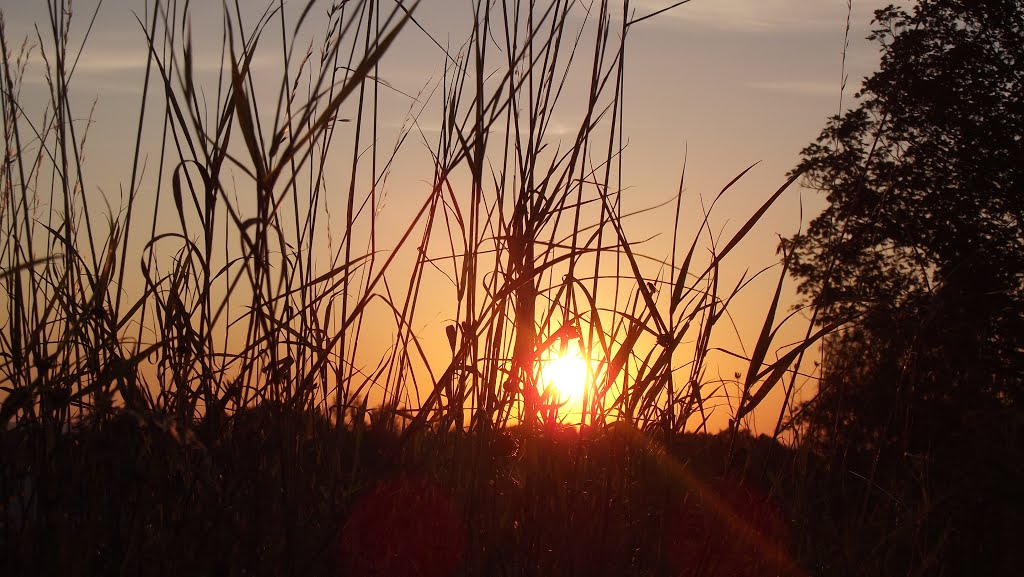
(717, 84)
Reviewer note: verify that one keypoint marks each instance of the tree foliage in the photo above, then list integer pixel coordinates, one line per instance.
(921, 247)
(925, 190)
(924, 177)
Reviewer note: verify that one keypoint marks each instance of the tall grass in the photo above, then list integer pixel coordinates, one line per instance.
(231, 306)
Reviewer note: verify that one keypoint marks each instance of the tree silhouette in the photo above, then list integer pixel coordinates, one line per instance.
(921, 247)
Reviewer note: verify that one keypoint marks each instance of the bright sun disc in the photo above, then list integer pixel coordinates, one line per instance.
(566, 374)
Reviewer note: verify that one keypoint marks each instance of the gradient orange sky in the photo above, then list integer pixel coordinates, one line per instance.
(721, 83)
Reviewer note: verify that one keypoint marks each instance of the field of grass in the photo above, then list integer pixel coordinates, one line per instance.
(187, 382)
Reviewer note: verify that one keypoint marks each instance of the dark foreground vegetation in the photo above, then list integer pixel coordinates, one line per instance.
(192, 374)
(277, 492)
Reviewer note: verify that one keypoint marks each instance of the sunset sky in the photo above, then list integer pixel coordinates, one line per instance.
(721, 84)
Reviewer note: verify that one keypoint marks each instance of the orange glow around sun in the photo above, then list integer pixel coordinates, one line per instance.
(565, 375)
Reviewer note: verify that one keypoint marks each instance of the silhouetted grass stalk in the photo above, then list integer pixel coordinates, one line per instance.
(255, 291)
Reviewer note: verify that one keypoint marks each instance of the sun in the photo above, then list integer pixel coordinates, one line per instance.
(565, 373)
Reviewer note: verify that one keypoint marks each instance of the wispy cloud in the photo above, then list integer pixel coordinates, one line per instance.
(797, 87)
(111, 63)
(761, 15)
